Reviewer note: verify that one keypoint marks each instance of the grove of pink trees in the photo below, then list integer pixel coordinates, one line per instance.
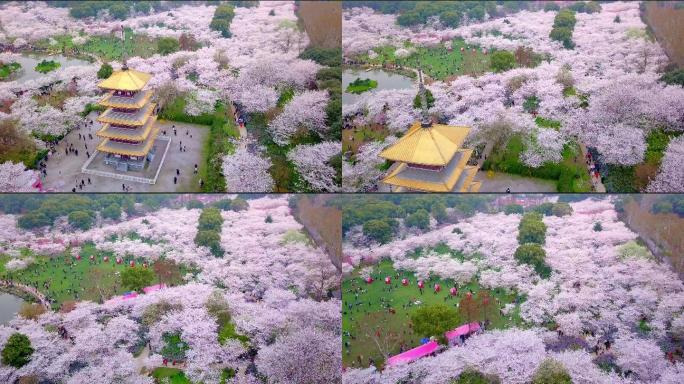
(305, 110)
(275, 291)
(246, 171)
(14, 177)
(671, 176)
(593, 293)
(313, 164)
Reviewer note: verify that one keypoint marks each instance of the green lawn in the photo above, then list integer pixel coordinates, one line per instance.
(67, 276)
(437, 62)
(46, 66)
(6, 69)
(570, 174)
(359, 86)
(353, 138)
(367, 307)
(109, 47)
(175, 375)
(547, 123)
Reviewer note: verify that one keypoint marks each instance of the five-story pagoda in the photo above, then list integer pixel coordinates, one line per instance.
(128, 130)
(430, 157)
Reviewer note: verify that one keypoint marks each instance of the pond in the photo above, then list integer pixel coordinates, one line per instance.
(29, 62)
(386, 80)
(9, 306)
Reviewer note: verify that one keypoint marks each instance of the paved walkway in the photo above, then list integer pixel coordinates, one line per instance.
(498, 182)
(64, 171)
(596, 181)
(142, 358)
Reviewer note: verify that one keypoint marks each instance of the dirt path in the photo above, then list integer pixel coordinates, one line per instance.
(140, 360)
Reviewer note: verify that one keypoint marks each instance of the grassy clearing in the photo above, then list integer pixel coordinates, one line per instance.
(353, 138)
(437, 62)
(110, 48)
(173, 375)
(296, 236)
(367, 307)
(359, 86)
(69, 279)
(547, 123)
(570, 174)
(7, 69)
(46, 66)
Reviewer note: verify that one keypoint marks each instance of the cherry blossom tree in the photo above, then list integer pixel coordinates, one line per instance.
(308, 356)
(671, 175)
(14, 177)
(313, 164)
(246, 171)
(305, 111)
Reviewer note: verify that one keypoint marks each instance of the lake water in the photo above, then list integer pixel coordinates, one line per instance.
(386, 80)
(9, 306)
(29, 62)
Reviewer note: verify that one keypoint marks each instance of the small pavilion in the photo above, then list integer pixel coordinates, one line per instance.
(431, 157)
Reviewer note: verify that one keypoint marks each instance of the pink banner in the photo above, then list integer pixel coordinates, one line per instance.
(413, 354)
(464, 329)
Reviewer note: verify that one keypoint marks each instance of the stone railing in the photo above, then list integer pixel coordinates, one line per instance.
(137, 179)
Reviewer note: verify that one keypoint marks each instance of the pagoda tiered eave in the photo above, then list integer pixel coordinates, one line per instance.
(432, 146)
(125, 80)
(139, 149)
(132, 119)
(138, 133)
(136, 101)
(456, 176)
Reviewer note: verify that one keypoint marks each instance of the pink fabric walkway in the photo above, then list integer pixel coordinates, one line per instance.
(153, 288)
(464, 329)
(413, 354)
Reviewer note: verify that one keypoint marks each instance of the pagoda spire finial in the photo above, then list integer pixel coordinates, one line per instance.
(123, 48)
(425, 120)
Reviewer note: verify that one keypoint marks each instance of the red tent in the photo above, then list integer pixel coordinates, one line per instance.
(437, 288)
(388, 280)
(404, 282)
(421, 284)
(453, 291)
(369, 280)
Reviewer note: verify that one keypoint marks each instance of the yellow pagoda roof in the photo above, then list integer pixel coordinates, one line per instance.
(142, 149)
(126, 80)
(139, 133)
(435, 145)
(136, 102)
(457, 176)
(136, 118)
